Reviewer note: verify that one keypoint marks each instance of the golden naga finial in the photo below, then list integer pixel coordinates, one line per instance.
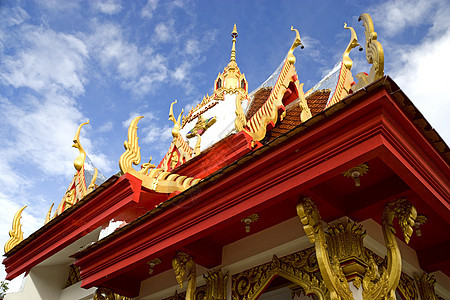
(234, 34)
(16, 234)
(374, 55)
(48, 217)
(132, 154)
(176, 123)
(297, 42)
(79, 161)
(348, 63)
(146, 167)
(374, 50)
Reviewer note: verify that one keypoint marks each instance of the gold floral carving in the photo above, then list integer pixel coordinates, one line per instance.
(407, 288)
(200, 294)
(156, 179)
(356, 173)
(425, 283)
(374, 54)
(16, 234)
(381, 284)
(216, 285)
(184, 267)
(248, 285)
(330, 270)
(345, 242)
(107, 294)
(256, 127)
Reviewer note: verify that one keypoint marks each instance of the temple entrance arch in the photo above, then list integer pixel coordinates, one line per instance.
(300, 269)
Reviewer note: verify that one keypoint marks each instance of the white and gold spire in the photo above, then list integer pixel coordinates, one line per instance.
(231, 79)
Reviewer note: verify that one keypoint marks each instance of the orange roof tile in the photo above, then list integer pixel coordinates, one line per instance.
(259, 99)
(316, 103)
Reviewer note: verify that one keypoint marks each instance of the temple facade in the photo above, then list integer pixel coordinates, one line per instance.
(339, 192)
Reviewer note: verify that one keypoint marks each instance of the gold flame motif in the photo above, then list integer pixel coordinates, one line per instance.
(16, 234)
(152, 178)
(79, 161)
(348, 63)
(374, 55)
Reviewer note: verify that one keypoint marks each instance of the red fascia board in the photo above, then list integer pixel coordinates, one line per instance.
(298, 164)
(84, 219)
(216, 157)
(355, 135)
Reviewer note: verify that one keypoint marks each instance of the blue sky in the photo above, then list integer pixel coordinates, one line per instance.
(64, 62)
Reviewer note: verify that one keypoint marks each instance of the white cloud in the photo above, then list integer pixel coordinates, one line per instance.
(138, 69)
(192, 47)
(154, 133)
(48, 61)
(422, 72)
(181, 71)
(149, 8)
(148, 116)
(15, 16)
(164, 32)
(43, 71)
(109, 7)
(106, 127)
(396, 16)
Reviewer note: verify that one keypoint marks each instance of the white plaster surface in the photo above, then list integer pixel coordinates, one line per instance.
(225, 114)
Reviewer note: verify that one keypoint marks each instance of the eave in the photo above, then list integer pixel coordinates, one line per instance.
(374, 125)
(121, 198)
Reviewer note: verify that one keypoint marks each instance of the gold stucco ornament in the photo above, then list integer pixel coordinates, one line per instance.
(216, 285)
(16, 234)
(78, 188)
(153, 178)
(176, 122)
(184, 267)
(374, 55)
(330, 269)
(381, 284)
(103, 293)
(273, 110)
(297, 268)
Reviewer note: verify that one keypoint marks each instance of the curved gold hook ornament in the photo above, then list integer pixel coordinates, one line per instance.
(132, 154)
(348, 63)
(91, 186)
(48, 217)
(176, 123)
(16, 234)
(374, 50)
(330, 269)
(297, 42)
(79, 161)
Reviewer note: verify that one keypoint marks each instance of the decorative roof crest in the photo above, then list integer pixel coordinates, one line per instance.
(297, 42)
(348, 63)
(16, 234)
(374, 55)
(78, 188)
(234, 34)
(79, 161)
(156, 179)
(176, 122)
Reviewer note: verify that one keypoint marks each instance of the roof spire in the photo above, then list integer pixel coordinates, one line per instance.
(234, 34)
